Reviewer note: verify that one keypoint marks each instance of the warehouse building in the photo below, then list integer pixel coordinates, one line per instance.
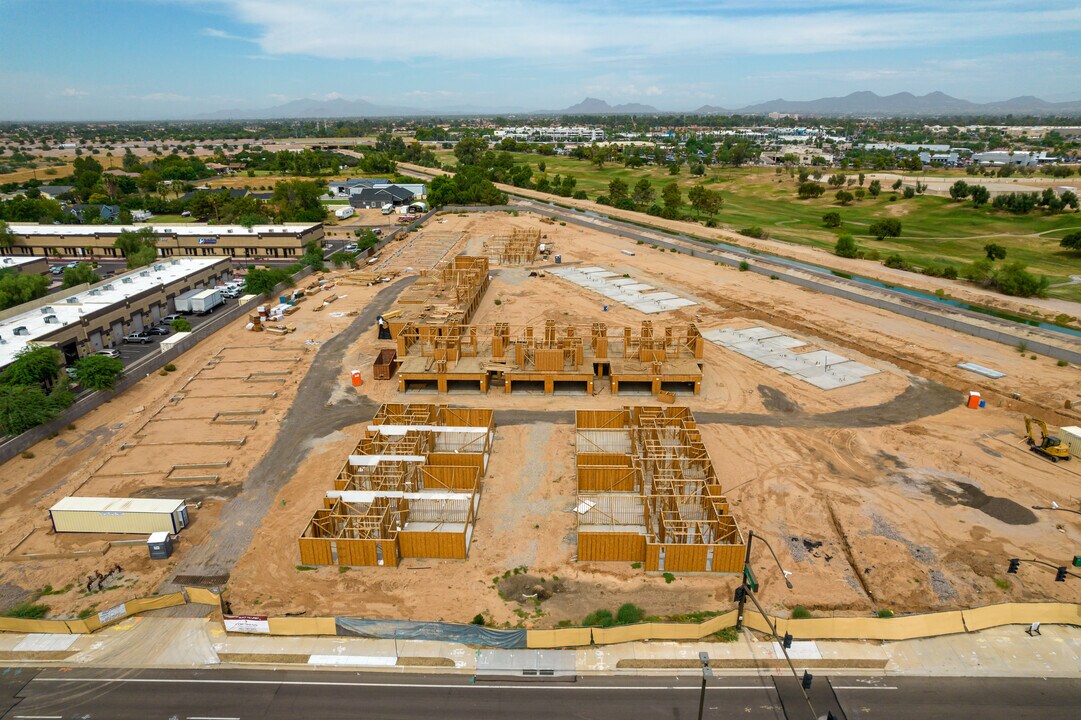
(28, 264)
(258, 241)
(84, 319)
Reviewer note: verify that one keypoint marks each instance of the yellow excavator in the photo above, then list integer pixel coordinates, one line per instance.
(1047, 445)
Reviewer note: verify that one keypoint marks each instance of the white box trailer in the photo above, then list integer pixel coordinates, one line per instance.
(345, 212)
(206, 300)
(139, 516)
(182, 302)
(1072, 434)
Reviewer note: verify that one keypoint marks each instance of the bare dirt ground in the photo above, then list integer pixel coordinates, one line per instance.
(887, 493)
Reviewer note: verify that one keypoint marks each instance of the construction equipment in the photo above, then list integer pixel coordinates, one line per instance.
(1047, 445)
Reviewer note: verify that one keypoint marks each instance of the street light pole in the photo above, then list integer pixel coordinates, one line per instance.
(1042, 507)
(707, 674)
(747, 574)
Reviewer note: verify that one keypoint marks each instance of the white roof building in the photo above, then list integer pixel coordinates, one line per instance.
(19, 329)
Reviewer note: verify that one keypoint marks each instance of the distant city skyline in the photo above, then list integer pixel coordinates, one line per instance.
(175, 59)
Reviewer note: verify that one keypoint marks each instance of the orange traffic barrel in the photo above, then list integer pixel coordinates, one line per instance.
(357, 381)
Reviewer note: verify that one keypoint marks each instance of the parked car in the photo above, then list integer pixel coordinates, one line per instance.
(70, 371)
(169, 318)
(108, 352)
(138, 337)
(158, 330)
(351, 247)
(57, 269)
(72, 265)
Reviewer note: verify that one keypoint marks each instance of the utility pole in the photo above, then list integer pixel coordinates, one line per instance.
(748, 581)
(707, 674)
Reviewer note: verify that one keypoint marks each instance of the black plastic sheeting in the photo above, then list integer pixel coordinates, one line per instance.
(438, 631)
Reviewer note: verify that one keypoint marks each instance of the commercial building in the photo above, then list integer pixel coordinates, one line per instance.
(25, 264)
(84, 319)
(283, 240)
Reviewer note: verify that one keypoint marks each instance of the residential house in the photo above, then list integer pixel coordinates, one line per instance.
(378, 197)
(87, 213)
(55, 191)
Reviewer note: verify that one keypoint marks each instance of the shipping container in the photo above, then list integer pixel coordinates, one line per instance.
(141, 516)
(1072, 434)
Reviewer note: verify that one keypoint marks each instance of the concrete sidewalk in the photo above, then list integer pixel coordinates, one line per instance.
(162, 642)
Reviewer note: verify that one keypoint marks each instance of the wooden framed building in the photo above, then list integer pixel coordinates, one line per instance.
(648, 492)
(410, 489)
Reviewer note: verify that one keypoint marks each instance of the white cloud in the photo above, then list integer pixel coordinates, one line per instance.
(73, 92)
(164, 97)
(547, 30)
(223, 35)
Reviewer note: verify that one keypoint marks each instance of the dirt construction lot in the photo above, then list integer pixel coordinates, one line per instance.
(883, 494)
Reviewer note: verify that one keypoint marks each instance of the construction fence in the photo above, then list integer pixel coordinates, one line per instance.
(92, 623)
(904, 627)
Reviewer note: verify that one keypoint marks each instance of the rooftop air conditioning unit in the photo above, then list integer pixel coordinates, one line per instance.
(72, 300)
(144, 273)
(127, 280)
(21, 330)
(45, 310)
(108, 287)
(96, 291)
(52, 320)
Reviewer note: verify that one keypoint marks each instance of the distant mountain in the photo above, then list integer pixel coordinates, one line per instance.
(935, 103)
(861, 104)
(593, 106)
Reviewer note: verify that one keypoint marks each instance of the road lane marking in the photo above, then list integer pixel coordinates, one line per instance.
(435, 686)
(207, 717)
(41, 717)
(863, 687)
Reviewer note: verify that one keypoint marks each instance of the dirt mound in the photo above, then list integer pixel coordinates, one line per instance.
(527, 588)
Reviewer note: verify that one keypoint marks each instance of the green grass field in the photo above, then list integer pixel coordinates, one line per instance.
(935, 230)
(170, 219)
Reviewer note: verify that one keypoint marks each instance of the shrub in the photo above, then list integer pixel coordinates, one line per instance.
(169, 367)
(498, 301)
(1060, 363)
(801, 613)
(27, 455)
(1001, 583)
(669, 578)
(885, 613)
(744, 266)
(636, 565)
(629, 613)
(895, 261)
(599, 618)
(478, 619)
(29, 611)
(755, 232)
(949, 272)
(846, 247)
(180, 325)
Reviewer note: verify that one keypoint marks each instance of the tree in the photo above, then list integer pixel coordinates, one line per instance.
(643, 192)
(342, 258)
(875, 188)
(844, 197)
(704, 200)
(672, 197)
(979, 194)
(882, 229)
(263, 282)
(469, 149)
(33, 365)
(23, 407)
(366, 238)
(298, 201)
(469, 186)
(98, 372)
(994, 252)
(7, 238)
(138, 246)
(846, 247)
(960, 190)
(832, 219)
(897, 184)
(809, 190)
(81, 273)
(1014, 279)
(1072, 241)
(180, 325)
(618, 190)
(18, 288)
(836, 180)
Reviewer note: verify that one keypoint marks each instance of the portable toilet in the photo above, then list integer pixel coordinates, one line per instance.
(973, 400)
(160, 545)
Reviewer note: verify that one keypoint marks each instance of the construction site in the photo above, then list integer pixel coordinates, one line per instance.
(650, 409)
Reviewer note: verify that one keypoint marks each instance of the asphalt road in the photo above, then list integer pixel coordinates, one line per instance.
(89, 694)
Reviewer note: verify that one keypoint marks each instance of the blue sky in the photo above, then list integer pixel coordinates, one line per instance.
(129, 59)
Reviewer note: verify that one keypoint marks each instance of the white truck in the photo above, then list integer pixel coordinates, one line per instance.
(207, 300)
(199, 301)
(345, 212)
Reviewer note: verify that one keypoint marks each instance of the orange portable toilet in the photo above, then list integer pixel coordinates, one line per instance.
(973, 399)
(357, 381)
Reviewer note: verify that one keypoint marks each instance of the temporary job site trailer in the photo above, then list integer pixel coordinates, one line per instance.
(141, 516)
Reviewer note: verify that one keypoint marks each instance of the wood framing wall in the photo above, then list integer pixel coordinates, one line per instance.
(648, 492)
(410, 489)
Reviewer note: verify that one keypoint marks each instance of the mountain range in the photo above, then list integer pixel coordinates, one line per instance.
(863, 103)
